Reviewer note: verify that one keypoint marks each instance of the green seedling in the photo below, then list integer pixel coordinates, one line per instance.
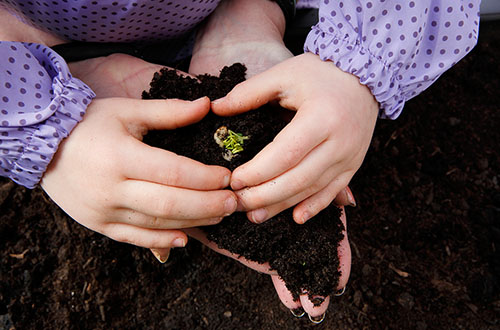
(231, 141)
(234, 142)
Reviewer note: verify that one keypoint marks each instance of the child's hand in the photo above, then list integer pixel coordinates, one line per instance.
(108, 180)
(315, 156)
(314, 312)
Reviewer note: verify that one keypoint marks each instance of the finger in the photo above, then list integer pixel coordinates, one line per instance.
(313, 310)
(200, 236)
(148, 238)
(311, 174)
(345, 198)
(317, 202)
(307, 178)
(249, 94)
(344, 254)
(159, 114)
(284, 294)
(174, 203)
(161, 254)
(137, 219)
(299, 216)
(290, 147)
(169, 169)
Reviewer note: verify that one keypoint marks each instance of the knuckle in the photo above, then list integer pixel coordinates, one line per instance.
(289, 156)
(171, 176)
(154, 222)
(166, 207)
(298, 183)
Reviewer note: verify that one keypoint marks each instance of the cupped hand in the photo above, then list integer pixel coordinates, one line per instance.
(105, 178)
(304, 302)
(315, 156)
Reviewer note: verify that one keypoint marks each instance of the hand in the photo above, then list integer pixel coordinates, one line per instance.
(315, 156)
(244, 31)
(314, 312)
(108, 180)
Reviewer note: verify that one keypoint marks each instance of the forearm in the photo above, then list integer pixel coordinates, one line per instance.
(246, 20)
(13, 29)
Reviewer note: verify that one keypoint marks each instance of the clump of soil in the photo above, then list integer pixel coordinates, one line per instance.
(305, 256)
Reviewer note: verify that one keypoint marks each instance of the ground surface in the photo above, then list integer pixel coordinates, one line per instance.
(425, 238)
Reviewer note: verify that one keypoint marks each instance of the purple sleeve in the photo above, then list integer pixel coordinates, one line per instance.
(40, 103)
(396, 48)
(307, 4)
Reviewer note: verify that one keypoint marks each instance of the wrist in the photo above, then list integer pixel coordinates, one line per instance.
(248, 20)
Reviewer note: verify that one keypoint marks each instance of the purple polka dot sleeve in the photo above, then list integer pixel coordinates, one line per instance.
(307, 4)
(396, 48)
(40, 103)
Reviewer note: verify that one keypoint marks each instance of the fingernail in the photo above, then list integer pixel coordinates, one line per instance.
(227, 179)
(201, 98)
(350, 197)
(317, 301)
(161, 258)
(215, 102)
(229, 206)
(179, 242)
(305, 216)
(258, 216)
(298, 312)
(340, 292)
(237, 185)
(317, 319)
(215, 221)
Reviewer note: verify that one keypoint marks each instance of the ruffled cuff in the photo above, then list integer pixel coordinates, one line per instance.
(303, 4)
(30, 140)
(349, 56)
(396, 51)
(42, 141)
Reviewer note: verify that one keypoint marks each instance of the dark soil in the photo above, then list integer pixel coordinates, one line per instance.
(425, 238)
(305, 256)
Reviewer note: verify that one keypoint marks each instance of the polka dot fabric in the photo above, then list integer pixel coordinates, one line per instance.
(307, 3)
(40, 104)
(40, 101)
(115, 21)
(396, 48)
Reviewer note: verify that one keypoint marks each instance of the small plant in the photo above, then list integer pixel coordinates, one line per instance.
(231, 141)
(234, 142)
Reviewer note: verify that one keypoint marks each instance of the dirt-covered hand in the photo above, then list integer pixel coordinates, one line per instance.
(245, 31)
(105, 178)
(304, 302)
(315, 156)
(316, 312)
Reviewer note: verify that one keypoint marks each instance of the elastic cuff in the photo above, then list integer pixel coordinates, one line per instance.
(68, 106)
(351, 57)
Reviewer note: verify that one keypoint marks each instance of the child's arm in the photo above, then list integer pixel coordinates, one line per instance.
(101, 174)
(357, 54)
